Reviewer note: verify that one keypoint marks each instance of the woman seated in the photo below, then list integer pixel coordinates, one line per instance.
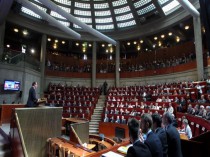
(187, 128)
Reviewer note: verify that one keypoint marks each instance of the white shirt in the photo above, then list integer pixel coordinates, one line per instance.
(188, 132)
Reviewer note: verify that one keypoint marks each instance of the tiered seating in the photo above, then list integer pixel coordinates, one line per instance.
(133, 101)
(76, 101)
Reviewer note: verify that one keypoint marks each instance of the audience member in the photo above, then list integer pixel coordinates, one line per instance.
(138, 149)
(173, 137)
(151, 139)
(160, 132)
(187, 128)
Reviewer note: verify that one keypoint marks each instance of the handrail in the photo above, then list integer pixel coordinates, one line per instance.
(21, 135)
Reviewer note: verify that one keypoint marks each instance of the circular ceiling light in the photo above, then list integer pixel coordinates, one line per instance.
(16, 30)
(25, 32)
(186, 27)
(170, 33)
(48, 39)
(155, 38)
(141, 41)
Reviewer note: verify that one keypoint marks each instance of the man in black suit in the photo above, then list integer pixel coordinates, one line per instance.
(173, 137)
(150, 139)
(32, 100)
(138, 149)
(160, 132)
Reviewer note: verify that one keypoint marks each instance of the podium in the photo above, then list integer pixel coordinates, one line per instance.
(41, 102)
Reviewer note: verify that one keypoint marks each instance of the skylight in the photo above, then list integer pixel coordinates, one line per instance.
(146, 9)
(104, 20)
(82, 5)
(82, 12)
(104, 27)
(126, 24)
(171, 7)
(65, 2)
(119, 2)
(161, 2)
(103, 13)
(29, 12)
(141, 3)
(101, 6)
(124, 17)
(85, 20)
(122, 10)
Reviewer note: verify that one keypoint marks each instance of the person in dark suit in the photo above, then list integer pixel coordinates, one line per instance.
(138, 149)
(160, 132)
(32, 100)
(150, 138)
(173, 137)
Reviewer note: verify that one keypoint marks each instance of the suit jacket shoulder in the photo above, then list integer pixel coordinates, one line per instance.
(154, 144)
(139, 150)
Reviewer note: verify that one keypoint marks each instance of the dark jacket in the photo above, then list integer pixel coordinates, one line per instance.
(160, 132)
(174, 143)
(32, 100)
(154, 144)
(138, 150)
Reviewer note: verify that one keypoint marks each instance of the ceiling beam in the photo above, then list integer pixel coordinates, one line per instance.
(159, 8)
(93, 14)
(133, 10)
(113, 14)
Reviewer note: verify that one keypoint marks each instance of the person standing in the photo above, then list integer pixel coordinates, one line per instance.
(160, 132)
(138, 149)
(150, 138)
(32, 100)
(173, 137)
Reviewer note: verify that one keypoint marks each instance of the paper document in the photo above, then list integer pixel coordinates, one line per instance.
(111, 154)
(124, 149)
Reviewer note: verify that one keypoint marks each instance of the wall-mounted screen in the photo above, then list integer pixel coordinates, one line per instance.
(11, 85)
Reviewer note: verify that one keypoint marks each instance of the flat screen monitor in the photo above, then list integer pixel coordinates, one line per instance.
(11, 85)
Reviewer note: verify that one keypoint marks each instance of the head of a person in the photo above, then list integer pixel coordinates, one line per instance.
(157, 120)
(146, 122)
(34, 84)
(167, 118)
(133, 127)
(185, 122)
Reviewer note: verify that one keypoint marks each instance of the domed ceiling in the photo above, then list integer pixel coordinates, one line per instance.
(109, 15)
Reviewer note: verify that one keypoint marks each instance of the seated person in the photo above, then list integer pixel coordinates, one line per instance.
(170, 108)
(202, 100)
(118, 120)
(138, 149)
(207, 117)
(187, 128)
(202, 111)
(123, 120)
(112, 119)
(106, 119)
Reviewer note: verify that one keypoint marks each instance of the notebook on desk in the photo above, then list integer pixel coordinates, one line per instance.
(111, 154)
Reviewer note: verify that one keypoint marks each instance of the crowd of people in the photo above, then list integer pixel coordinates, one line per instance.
(154, 136)
(125, 66)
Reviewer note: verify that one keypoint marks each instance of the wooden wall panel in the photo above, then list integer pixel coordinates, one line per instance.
(37, 125)
(6, 112)
(108, 129)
